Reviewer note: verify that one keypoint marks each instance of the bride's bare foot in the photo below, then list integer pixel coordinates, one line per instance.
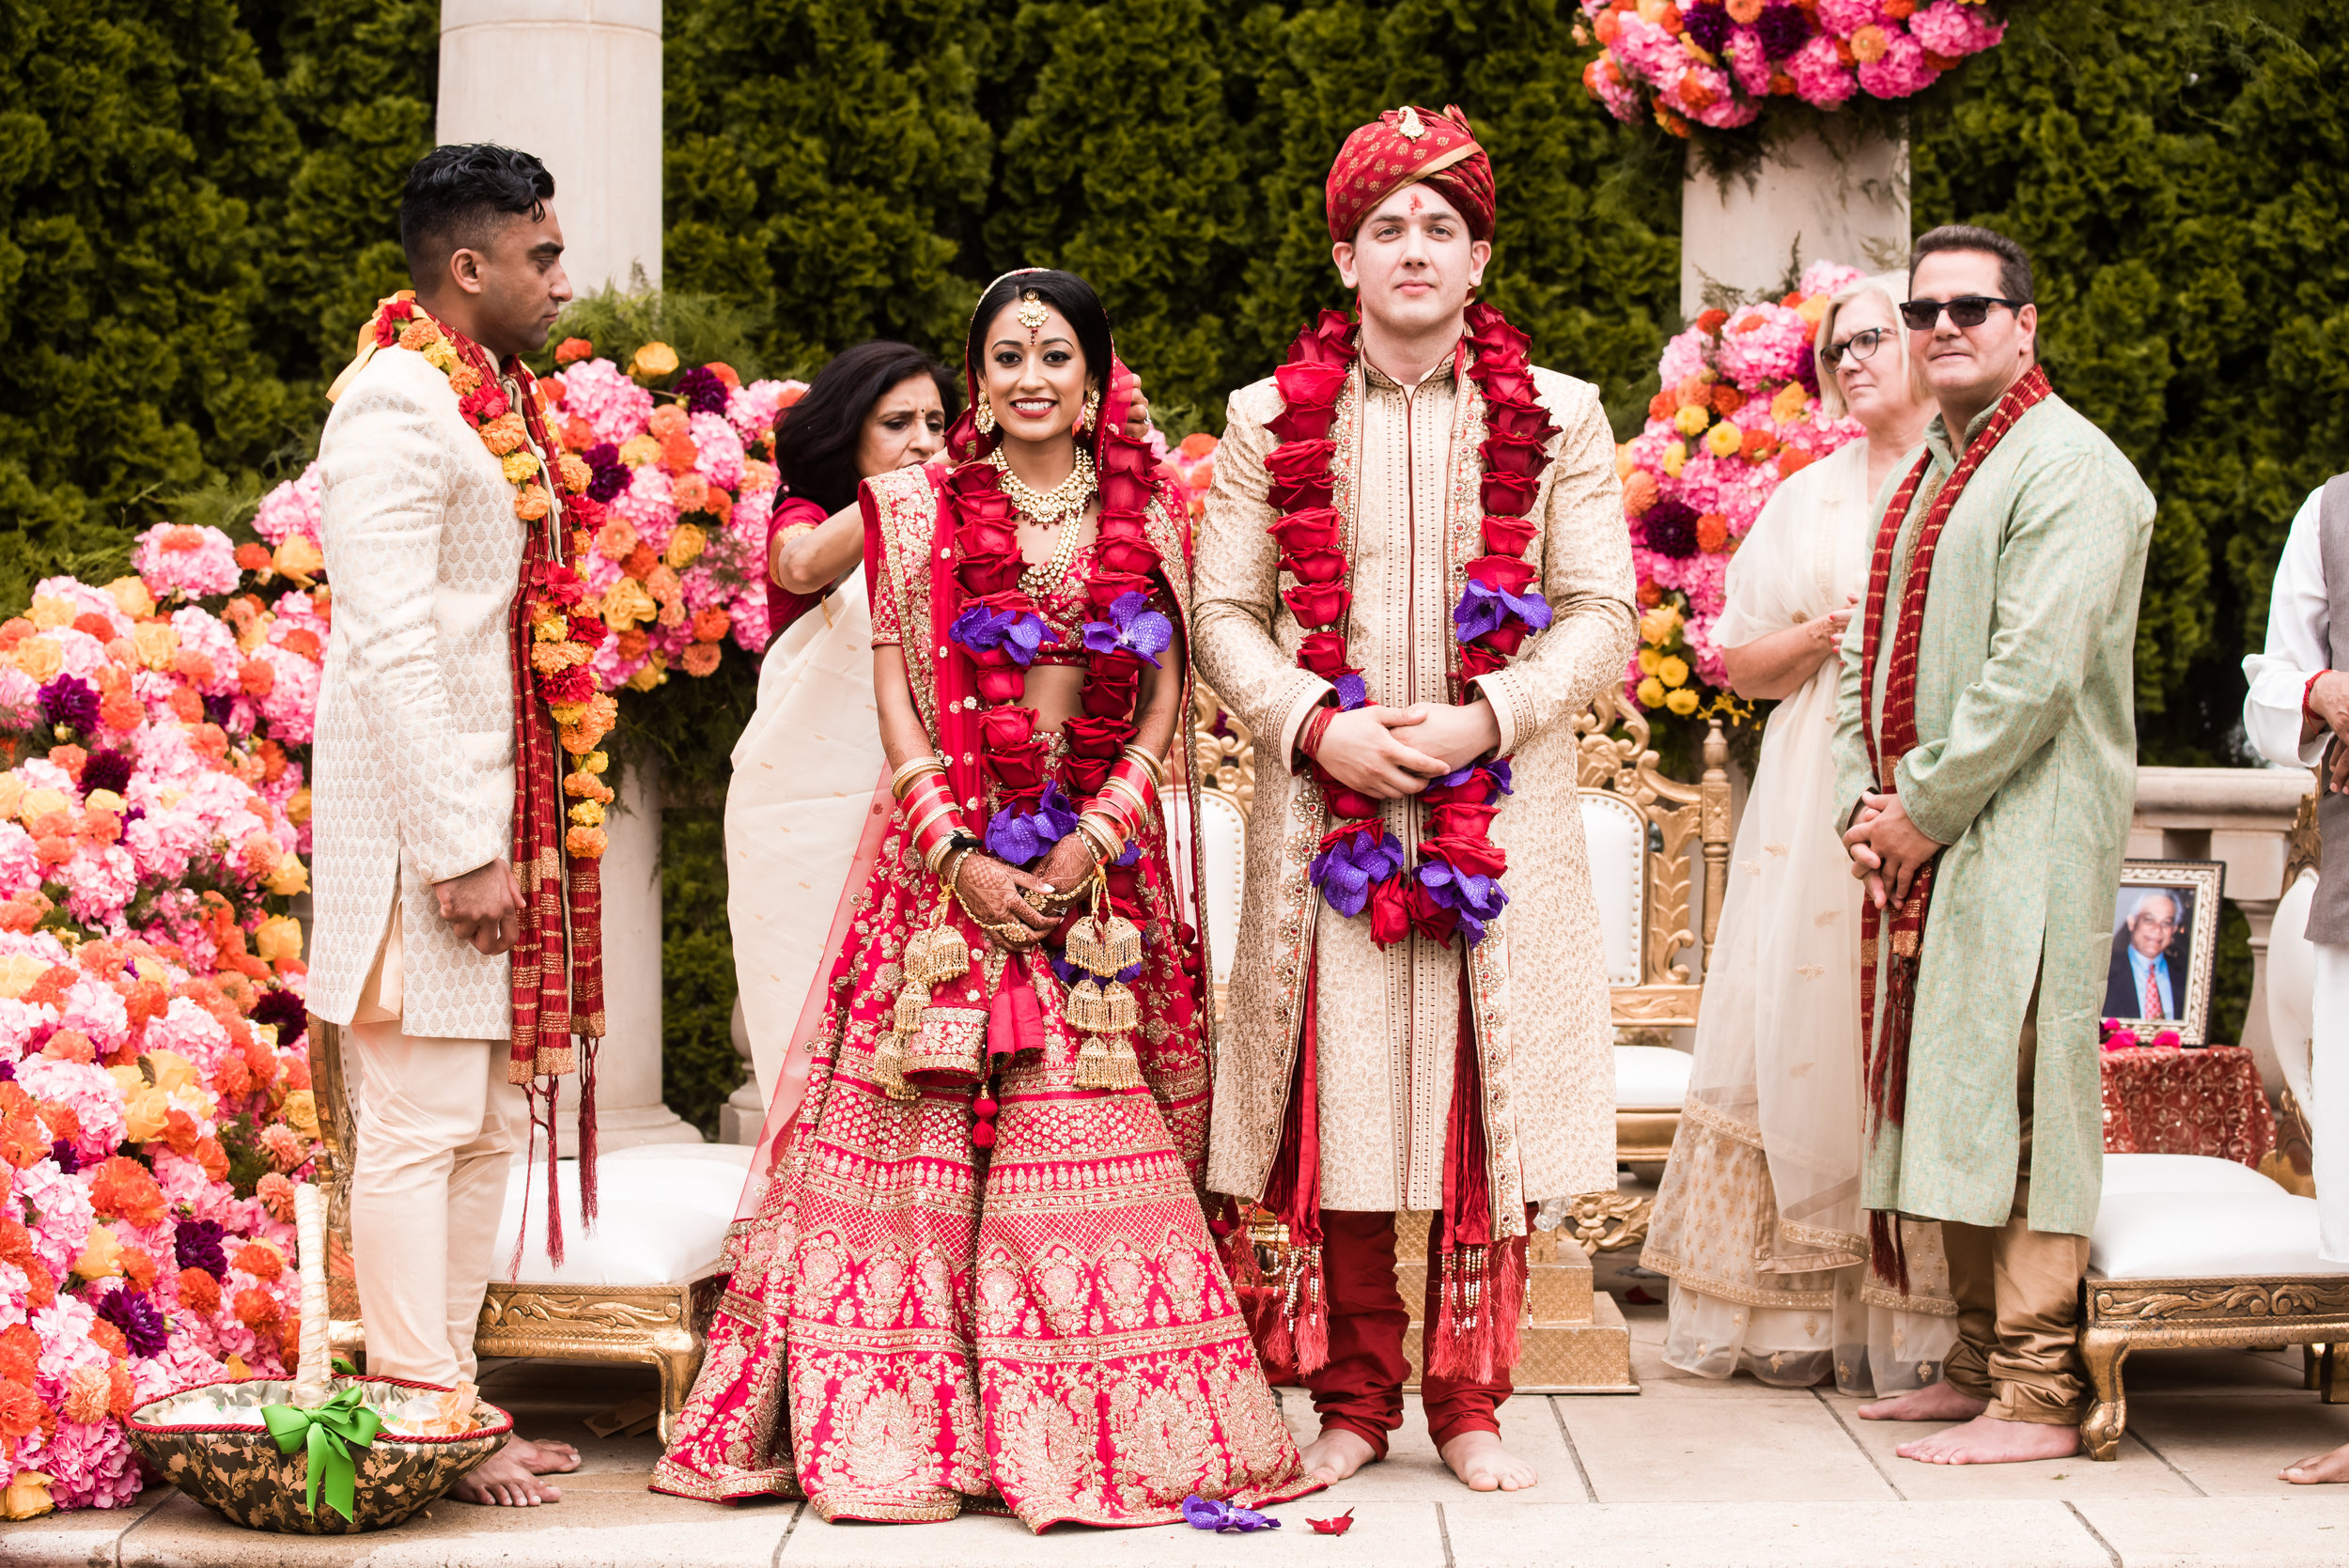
(1939, 1402)
(542, 1457)
(1484, 1466)
(503, 1480)
(1988, 1440)
(1335, 1455)
(2319, 1467)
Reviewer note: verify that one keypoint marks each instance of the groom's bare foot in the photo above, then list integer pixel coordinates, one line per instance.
(2319, 1467)
(1335, 1455)
(1484, 1466)
(1940, 1402)
(1988, 1440)
(542, 1457)
(503, 1480)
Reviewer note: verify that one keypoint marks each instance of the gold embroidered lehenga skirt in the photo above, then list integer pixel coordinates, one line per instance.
(913, 1325)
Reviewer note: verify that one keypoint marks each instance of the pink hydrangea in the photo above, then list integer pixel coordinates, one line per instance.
(1747, 63)
(64, 1209)
(649, 503)
(1843, 17)
(95, 1008)
(207, 634)
(1902, 71)
(85, 1089)
(720, 459)
(751, 410)
(292, 509)
(1828, 277)
(1820, 77)
(176, 558)
(99, 880)
(290, 705)
(599, 391)
(1763, 343)
(1954, 29)
(20, 867)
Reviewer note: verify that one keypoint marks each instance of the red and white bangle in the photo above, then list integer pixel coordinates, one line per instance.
(932, 818)
(1309, 740)
(2307, 700)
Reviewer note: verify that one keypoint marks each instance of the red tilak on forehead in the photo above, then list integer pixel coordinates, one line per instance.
(1418, 203)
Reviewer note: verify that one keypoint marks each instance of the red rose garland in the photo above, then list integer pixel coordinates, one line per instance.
(1456, 885)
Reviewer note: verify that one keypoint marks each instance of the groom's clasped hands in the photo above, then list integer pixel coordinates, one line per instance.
(1388, 753)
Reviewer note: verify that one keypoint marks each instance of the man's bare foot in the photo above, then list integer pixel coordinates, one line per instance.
(1335, 1455)
(1939, 1402)
(542, 1457)
(2319, 1467)
(1484, 1466)
(1988, 1440)
(503, 1480)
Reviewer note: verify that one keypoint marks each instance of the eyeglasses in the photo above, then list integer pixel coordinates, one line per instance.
(1858, 347)
(1967, 310)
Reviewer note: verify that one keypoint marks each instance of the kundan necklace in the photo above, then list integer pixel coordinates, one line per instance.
(1456, 884)
(1069, 498)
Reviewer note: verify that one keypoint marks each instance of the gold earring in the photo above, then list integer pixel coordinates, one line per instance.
(984, 417)
(1089, 415)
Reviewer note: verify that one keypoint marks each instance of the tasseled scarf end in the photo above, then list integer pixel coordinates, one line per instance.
(1479, 1306)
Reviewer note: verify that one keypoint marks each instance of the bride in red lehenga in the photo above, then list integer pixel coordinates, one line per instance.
(974, 1270)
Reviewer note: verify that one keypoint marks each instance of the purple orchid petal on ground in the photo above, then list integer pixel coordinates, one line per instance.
(1222, 1517)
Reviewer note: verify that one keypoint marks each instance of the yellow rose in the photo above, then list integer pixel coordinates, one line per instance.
(1650, 692)
(299, 559)
(519, 466)
(131, 597)
(686, 545)
(625, 602)
(1683, 701)
(654, 672)
(1671, 670)
(39, 658)
(639, 450)
(150, 968)
(1813, 309)
(145, 1108)
(1652, 11)
(1659, 624)
(1789, 402)
(1649, 658)
(18, 971)
(301, 1112)
(587, 814)
(101, 1255)
(157, 642)
(652, 362)
(41, 803)
(171, 1070)
(1724, 440)
(267, 1034)
(107, 800)
(11, 795)
(1692, 418)
(298, 807)
(1675, 457)
(279, 937)
(291, 877)
(50, 613)
(27, 1496)
(1624, 461)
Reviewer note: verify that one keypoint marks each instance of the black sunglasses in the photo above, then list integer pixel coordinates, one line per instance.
(1967, 310)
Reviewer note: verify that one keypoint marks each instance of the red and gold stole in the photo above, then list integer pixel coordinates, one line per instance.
(1890, 737)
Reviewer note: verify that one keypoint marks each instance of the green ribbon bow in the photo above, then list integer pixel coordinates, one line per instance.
(327, 1430)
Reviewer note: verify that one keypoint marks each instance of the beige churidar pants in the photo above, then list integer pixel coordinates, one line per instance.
(437, 1128)
(2018, 1288)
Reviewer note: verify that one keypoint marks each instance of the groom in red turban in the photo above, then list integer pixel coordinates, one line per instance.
(1412, 578)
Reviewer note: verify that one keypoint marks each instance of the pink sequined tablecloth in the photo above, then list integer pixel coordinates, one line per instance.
(2187, 1102)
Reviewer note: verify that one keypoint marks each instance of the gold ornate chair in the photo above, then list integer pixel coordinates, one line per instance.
(641, 1289)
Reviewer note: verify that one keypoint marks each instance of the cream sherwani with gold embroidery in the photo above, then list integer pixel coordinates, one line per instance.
(1387, 1023)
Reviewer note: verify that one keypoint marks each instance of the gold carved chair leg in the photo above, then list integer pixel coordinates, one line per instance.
(2104, 1350)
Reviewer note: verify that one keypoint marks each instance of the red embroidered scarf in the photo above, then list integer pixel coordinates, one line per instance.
(1890, 737)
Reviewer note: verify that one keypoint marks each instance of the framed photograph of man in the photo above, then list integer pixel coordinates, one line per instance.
(2165, 937)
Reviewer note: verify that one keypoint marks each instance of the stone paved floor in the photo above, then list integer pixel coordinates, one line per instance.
(1688, 1473)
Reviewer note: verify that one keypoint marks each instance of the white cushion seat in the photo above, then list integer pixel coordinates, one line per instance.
(1651, 1077)
(663, 1213)
(2185, 1216)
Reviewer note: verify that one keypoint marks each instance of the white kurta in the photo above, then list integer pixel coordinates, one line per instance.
(804, 773)
(1759, 1221)
(2299, 624)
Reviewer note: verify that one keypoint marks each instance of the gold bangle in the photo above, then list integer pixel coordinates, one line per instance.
(1156, 767)
(937, 808)
(1128, 788)
(911, 770)
(958, 853)
(1097, 837)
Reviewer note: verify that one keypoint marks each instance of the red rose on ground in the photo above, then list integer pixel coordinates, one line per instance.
(1318, 604)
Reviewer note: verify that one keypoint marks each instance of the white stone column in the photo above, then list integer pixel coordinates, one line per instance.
(1813, 200)
(578, 83)
(628, 1107)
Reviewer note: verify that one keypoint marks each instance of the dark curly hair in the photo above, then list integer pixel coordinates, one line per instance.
(453, 194)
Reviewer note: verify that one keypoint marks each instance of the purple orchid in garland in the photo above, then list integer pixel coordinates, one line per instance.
(1070, 974)
(1021, 838)
(1223, 1517)
(1353, 691)
(1132, 628)
(1496, 773)
(983, 631)
(1476, 898)
(1483, 608)
(1352, 860)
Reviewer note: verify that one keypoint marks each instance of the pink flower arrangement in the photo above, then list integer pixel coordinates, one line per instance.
(153, 1086)
(1738, 413)
(1706, 63)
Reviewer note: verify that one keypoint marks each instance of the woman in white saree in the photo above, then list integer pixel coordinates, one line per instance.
(1758, 1222)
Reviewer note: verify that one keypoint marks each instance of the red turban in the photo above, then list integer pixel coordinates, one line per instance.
(1404, 146)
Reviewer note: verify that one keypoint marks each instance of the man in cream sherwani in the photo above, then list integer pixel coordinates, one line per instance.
(413, 793)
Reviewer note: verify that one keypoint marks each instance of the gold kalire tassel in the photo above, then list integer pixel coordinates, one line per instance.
(1100, 1007)
(1104, 1062)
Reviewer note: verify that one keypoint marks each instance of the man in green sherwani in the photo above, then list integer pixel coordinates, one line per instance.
(1990, 754)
